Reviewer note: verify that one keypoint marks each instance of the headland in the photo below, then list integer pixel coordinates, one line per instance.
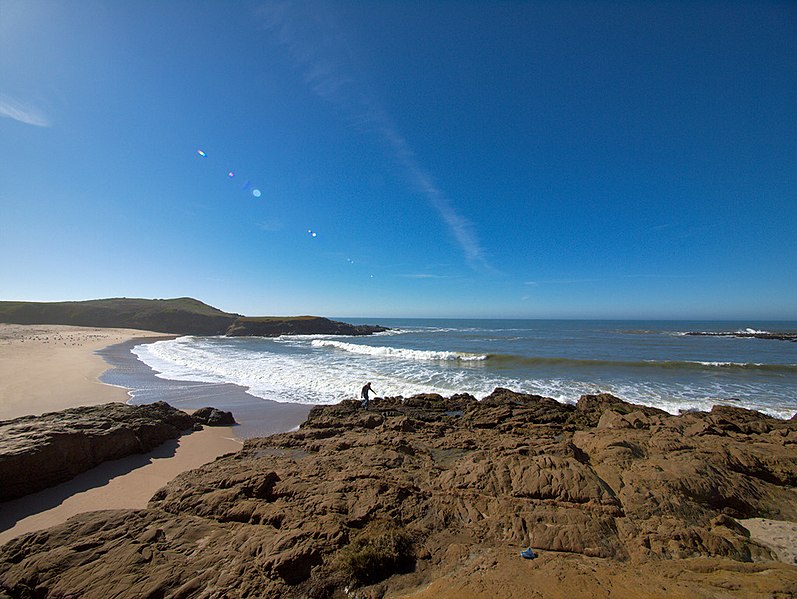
(179, 316)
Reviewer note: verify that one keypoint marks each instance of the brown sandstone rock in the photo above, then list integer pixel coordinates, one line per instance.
(213, 417)
(425, 488)
(37, 452)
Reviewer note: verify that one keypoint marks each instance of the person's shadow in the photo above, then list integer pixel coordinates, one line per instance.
(18, 509)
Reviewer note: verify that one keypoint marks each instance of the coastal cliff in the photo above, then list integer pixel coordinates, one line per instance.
(436, 496)
(179, 316)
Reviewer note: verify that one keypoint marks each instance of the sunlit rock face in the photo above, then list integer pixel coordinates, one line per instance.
(415, 489)
(37, 452)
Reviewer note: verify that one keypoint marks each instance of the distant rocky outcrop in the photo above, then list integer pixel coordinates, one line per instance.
(179, 316)
(745, 334)
(299, 325)
(37, 452)
(428, 490)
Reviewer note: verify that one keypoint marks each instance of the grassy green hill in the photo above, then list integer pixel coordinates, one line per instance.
(184, 315)
(180, 316)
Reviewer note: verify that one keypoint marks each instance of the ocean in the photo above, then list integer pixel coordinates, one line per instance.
(648, 362)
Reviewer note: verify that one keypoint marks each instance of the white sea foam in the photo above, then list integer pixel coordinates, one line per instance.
(305, 378)
(746, 331)
(727, 364)
(395, 352)
(312, 370)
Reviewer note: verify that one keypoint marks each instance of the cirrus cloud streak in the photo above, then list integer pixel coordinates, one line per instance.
(324, 57)
(14, 109)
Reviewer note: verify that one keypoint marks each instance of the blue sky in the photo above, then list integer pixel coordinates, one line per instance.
(462, 159)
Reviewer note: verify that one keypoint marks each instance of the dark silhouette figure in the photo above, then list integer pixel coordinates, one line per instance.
(364, 394)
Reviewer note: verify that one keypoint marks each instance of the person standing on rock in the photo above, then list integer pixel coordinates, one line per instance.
(364, 394)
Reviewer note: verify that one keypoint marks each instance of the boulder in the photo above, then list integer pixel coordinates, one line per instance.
(37, 452)
(213, 417)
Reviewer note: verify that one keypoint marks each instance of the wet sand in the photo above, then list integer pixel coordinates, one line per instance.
(256, 417)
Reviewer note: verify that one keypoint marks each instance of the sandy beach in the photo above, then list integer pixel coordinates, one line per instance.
(45, 368)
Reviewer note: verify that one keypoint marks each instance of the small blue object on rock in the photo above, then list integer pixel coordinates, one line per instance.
(528, 553)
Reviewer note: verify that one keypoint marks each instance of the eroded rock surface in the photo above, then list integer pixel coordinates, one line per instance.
(413, 491)
(37, 452)
(213, 417)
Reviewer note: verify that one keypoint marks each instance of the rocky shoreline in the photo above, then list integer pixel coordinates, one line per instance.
(425, 489)
(37, 452)
(745, 335)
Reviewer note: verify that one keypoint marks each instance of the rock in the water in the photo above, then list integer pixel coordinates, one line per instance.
(297, 325)
(213, 417)
(37, 452)
(415, 490)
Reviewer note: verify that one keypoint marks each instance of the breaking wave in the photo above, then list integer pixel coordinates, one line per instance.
(511, 360)
(395, 352)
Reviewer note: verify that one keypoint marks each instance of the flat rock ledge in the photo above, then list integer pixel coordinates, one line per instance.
(430, 494)
(37, 452)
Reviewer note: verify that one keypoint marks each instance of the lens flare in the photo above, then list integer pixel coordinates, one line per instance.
(201, 153)
(231, 174)
(256, 193)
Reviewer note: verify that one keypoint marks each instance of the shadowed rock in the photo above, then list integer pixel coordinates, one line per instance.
(213, 417)
(37, 452)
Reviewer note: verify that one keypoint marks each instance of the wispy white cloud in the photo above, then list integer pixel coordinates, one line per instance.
(270, 225)
(606, 279)
(564, 281)
(424, 275)
(14, 109)
(327, 64)
(658, 276)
